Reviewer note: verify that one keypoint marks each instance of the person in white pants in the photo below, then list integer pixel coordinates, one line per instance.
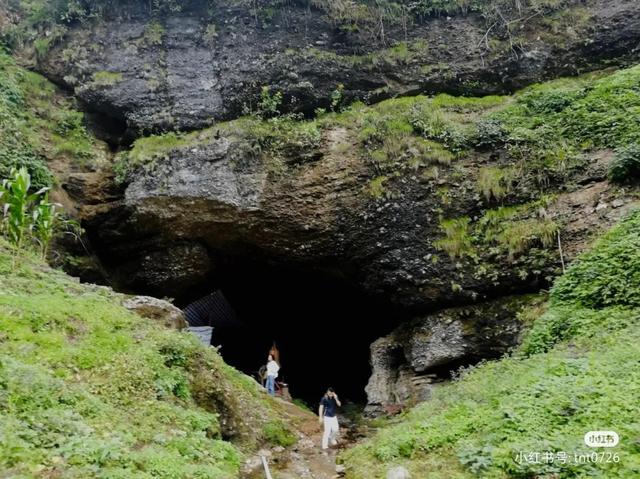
(328, 415)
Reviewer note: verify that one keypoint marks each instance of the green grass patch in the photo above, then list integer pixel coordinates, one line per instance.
(105, 78)
(509, 231)
(277, 433)
(88, 389)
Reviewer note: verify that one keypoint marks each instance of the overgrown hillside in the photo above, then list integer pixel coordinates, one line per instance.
(576, 371)
(39, 126)
(88, 389)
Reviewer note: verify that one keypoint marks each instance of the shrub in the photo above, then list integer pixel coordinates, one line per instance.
(609, 275)
(152, 36)
(377, 189)
(625, 165)
(457, 240)
(276, 433)
(495, 182)
(517, 236)
(105, 78)
(430, 122)
(210, 34)
(270, 103)
(42, 46)
(337, 98)
(489, 132)
(550, 101)
(36, 124)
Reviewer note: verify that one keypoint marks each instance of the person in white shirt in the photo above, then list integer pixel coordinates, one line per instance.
(272, 374)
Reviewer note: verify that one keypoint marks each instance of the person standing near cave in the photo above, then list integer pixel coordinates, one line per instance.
(328, 415)
(272, 374)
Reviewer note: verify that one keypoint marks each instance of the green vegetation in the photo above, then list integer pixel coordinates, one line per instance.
(88, 389)
(457, 240)
(337, 98)
(545, 132)
(270, 103)
(376, 187)
(42, 46)
(37, 124)
(16, 147)
(275, 432)
(625, 166)
(517, 236)
(210, 34)
(106, 78)
(148, 150)
(275, 140)
(495, 182)
(29, 218)
(399, 54)
(508, 231)
(607, 276)
(152, 35)
(550, 126)
(576, 371)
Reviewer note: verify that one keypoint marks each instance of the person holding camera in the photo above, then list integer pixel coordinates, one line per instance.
(328, 415)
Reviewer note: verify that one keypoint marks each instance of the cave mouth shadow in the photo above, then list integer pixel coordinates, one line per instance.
(321, 324)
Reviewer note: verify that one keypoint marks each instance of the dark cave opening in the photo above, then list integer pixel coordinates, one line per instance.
(322, 326)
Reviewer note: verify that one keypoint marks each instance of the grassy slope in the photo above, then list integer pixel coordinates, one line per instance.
(88, 389)
(576, 371)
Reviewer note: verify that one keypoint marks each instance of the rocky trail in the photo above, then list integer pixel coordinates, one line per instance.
(305, 460)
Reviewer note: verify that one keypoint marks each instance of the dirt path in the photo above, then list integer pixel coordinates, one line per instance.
(305, 460)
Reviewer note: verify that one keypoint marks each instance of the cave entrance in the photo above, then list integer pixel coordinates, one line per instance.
(321, 324)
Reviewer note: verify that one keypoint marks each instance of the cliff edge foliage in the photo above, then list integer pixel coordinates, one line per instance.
(38, 125)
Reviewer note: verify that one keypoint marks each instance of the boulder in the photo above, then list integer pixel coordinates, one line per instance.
(408, 363)
(398, 472)
(157, 309)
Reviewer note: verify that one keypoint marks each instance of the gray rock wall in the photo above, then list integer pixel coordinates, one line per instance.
(408, 363)
(171, 73)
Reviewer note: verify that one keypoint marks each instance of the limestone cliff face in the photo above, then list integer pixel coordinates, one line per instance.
(188, 70)
(217, 197)
(327, 205)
